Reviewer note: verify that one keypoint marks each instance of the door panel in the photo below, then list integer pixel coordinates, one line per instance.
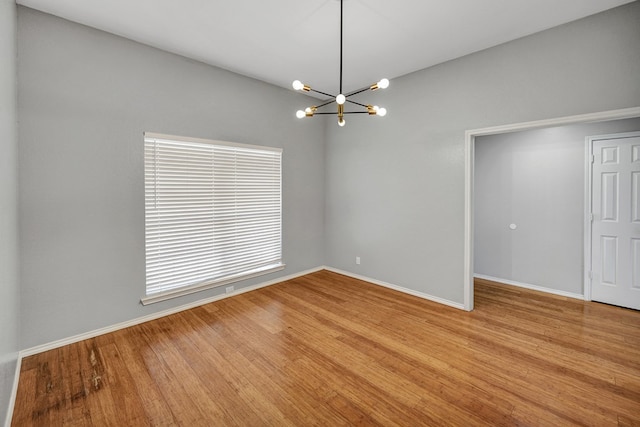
(610, 196)
(615, 230)
(635, 253)
(635, 199)
(609, 259)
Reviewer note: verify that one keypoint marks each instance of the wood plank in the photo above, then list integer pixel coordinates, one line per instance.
(138, 357)
(325, 349)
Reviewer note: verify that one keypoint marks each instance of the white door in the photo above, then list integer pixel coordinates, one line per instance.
(615, 228)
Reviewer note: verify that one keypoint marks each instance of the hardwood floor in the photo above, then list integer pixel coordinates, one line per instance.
(325, 349)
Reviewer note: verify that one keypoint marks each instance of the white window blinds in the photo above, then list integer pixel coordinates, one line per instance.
(212, 213)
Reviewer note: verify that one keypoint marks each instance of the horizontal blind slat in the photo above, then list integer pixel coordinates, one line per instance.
(211, 212)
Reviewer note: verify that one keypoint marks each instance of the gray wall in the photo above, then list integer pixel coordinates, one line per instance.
(85, 98)
(395, 185)
(9, 291)
(534, 179)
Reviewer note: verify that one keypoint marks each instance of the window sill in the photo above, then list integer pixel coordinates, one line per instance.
(163, 296)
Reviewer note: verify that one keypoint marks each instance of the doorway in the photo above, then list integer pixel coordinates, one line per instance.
(470, 137)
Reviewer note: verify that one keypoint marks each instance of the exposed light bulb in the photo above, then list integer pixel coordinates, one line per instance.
(307, 110)
(300, 114)
(341, 122)
(383, 84)
(381, 111)
(297, 85)
(340, 99)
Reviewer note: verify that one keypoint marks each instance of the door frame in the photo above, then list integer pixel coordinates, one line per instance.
(469, 148)
(588, 198)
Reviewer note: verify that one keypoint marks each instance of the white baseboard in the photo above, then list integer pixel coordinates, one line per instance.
(530, 286)
(14, 391)
(398, 288)
(92, 334)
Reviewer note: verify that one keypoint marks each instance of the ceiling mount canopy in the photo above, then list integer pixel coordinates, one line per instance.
(341, 99)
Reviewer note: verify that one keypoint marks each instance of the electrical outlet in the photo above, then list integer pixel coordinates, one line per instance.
(358, 260)
(229, 289)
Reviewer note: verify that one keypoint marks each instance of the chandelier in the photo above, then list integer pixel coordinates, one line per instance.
(341, 99)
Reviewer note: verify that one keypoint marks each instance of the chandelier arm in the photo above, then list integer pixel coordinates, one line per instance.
(364, 89)
(357, 103)
(326, 103)
(344, 112)
(322, 93)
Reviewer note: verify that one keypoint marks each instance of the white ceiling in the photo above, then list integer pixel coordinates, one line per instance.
(278, 41)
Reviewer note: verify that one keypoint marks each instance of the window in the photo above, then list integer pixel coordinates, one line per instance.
(212, 214)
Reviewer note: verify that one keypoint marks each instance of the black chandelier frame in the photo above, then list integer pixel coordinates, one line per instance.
(341, 98)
